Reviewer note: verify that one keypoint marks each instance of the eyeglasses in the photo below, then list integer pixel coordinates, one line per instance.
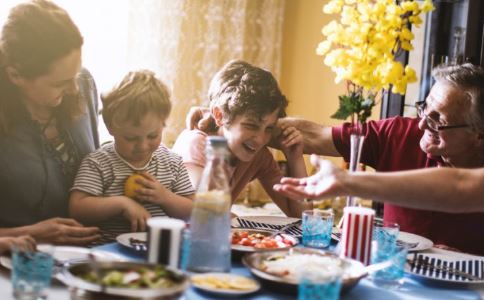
(432, 124)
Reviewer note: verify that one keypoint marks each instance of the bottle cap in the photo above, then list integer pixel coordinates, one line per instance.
(217, 141)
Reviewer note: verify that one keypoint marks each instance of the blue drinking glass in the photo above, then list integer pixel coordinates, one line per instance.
(317, 226)
(317, 285)
(31, 273)
(391, 276)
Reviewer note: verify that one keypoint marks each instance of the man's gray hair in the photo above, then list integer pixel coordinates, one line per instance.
(470, 78)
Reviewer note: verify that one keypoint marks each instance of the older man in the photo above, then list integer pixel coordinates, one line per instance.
(449, 132)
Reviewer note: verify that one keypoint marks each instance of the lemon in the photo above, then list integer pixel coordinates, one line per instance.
(130, 186)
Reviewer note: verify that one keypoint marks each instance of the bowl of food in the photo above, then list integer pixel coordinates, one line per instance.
(279, 268)
(102, 280)
(255, 240)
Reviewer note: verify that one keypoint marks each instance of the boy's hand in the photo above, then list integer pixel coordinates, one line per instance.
(291, 142)
(136, 214)
(153, 191)
(24, 242)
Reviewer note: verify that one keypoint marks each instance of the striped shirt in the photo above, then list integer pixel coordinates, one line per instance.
(103, 173)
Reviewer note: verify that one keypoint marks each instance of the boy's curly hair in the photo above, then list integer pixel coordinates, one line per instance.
(241, 88)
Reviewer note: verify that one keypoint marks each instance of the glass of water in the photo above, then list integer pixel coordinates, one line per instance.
(317, 226)
(315, 284)
(390, 277)
(31, 273)
(386, 236)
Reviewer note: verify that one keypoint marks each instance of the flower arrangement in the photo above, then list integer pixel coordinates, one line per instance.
(361, 48)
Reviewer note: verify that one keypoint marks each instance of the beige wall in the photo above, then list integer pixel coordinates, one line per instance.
(306, 81)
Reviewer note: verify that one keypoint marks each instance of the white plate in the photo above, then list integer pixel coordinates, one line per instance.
(123, 239)
(423, 243)
(432, 275)
(66, 253)
(225, 277)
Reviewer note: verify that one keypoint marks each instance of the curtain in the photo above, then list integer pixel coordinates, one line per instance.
(186, 41)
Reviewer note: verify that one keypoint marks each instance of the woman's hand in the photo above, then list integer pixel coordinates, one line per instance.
(136, 214)
(61, 231)
(329, 181)
(24, 242)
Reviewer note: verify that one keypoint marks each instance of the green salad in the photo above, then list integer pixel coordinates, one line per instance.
(158, 277)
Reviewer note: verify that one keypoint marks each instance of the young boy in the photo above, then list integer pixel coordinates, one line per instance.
(134, 113)
(245, 104)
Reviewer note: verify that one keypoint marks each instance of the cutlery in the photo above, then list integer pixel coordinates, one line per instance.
(286, 227)
(138, 245)
(407, 244)
(418, 263)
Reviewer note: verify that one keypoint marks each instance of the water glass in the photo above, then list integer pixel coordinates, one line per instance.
(316, 285)
(31, 273)
(390, 277)
(317, 226)
(386, 236)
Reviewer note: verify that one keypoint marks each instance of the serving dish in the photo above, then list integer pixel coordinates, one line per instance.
(224, 284)
(352, 270)
(75, 277)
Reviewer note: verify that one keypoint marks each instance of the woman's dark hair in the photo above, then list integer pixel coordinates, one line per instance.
(36, 34)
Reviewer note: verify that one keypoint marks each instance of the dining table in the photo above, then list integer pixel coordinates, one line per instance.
(411, 288)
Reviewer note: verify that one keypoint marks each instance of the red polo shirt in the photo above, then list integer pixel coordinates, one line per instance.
(393, 145)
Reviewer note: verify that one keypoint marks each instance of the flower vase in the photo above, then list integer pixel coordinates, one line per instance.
(356, 143)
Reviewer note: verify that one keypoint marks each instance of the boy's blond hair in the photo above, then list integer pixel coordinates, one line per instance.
(139, 93)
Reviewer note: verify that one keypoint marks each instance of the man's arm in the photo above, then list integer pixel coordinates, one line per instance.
(443, 189)
(317, 139)
(438, 189)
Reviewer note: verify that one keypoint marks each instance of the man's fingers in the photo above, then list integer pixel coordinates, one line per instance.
(293, 181)
(82, 231)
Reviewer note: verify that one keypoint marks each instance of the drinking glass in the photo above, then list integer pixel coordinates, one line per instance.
(390, 277)
(386, 236)
(31, 273)
(317, 226)
(315, 284)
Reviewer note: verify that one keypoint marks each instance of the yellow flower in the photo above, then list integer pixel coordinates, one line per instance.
(410, 74)
(406, 34)
(333, 7)
(427, 6)
(323, 47)
(410, 6)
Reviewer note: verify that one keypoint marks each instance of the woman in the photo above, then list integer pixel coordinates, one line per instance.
(48, 123)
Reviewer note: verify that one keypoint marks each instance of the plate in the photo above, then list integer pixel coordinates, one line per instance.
(214, 283)
(124, 238)
(353, 270)
(269, 220)
(421, 242)
(267, 223)
(247, 249)
(409, 238)
(65, 254)
(72, 276)
(473, 266)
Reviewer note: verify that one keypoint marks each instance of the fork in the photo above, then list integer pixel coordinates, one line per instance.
(138, 245)
(286, 227)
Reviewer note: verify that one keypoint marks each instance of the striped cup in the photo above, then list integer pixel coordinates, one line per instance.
(357, 233)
